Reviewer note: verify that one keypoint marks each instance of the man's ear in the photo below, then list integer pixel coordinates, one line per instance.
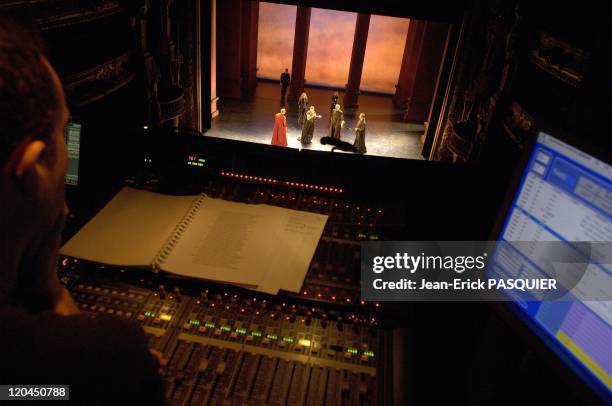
(29, 164)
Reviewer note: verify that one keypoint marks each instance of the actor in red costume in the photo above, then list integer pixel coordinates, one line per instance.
(279, 135)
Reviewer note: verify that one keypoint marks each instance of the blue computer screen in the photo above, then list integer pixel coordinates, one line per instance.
(565, 195)
(72, 135)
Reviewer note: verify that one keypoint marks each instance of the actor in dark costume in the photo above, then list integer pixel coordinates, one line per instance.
(360, 135)
(302, 109)
(309, 125)
(279, 135)
(285, 79)
(334, 101)
(337, 122)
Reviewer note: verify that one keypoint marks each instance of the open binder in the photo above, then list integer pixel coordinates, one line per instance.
(261, 247)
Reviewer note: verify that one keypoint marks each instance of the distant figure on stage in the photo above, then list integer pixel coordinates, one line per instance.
(334, 101)
(302, 108)
(279, 135)
(337, 122)
(309, 124)
(360, 135)
(285, 79)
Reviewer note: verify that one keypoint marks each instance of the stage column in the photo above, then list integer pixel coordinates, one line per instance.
(351, 96)
(214, 111)
(229, 36)
(410, 61)
(250, 21)
(429, 61)
(300, 50)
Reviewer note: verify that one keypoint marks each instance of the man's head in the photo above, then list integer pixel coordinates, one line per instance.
(286, 70)
(283, 111)
(33, 114)
(337, 107)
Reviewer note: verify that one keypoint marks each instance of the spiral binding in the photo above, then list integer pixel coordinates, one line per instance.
(176, 234)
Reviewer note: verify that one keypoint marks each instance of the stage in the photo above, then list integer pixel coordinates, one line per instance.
(252, 119)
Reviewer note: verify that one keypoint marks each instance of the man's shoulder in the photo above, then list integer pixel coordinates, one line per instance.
(70, 346)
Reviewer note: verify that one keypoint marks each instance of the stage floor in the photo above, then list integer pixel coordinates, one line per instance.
(252, 119)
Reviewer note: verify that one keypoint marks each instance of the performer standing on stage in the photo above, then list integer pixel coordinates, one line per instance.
(302, 108)
(334, 101)
(285, 79)
(309, 124)
(360, 135)
(337, 122)
(279, 135)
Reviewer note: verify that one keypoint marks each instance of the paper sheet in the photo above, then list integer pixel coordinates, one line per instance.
(130, 229)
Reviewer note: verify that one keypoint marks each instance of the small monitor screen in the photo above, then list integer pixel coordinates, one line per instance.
(73, 142)
(565, 195)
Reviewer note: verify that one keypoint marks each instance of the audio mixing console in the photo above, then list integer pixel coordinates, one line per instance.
(229, 346)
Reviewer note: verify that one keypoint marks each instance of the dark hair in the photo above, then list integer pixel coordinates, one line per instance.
(28, 99)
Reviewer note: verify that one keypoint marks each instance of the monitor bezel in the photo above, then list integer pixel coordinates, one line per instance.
(564, 363)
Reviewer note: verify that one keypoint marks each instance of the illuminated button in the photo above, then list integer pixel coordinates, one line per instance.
(128, 314)
(233, 335)
(119, 313)
(348, 355)
(217, 332)
(165, 317)
(110, 311)
(201, 329)
(304, 343)
(157, 320)
(227, 329)
(186, 326)
(84, 305)
(265, 341)
(364, 358)
(93, 308)
(249, 338)
(102, 308)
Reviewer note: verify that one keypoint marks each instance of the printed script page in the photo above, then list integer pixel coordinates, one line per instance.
(130, 229)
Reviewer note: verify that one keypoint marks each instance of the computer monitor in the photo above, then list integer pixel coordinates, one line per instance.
(72, 134)
(565, 195)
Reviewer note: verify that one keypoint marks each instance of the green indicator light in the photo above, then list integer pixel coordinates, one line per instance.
(148, 314)
(256, 333)
(361, 236)
(227, 329)
(209, 324)
(373, 237)
(201, 160)
(194, 322)
(288, 339)
(241, 330)
(351, 350)
(272, 337)
(369, 353)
